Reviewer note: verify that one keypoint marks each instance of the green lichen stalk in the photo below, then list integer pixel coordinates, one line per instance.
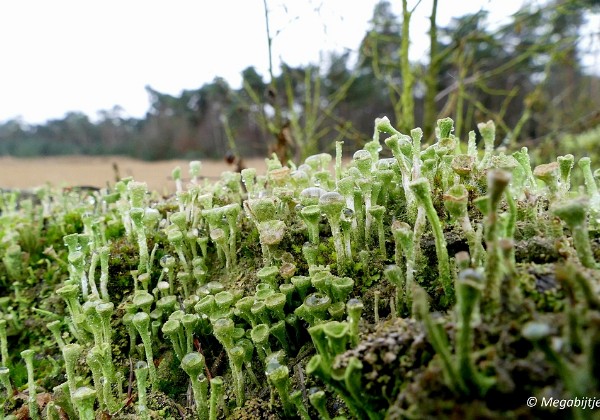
(216, 397)
(469, 287)
(141, 321)
(84, 398)
(422, 192)
(574, 214)
(193, 364)
(498, 181)
(34, 412)
(332, 205)
(141, 375)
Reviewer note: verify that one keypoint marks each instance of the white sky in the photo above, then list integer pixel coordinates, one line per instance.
(73, 55)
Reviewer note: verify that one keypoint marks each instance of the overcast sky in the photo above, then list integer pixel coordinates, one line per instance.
(60, 56)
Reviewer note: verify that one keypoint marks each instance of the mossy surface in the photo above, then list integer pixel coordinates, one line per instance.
(379, 346)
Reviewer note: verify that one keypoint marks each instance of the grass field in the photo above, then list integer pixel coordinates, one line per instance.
(99, 171)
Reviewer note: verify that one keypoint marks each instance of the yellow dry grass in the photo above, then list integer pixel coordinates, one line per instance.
(99, 172)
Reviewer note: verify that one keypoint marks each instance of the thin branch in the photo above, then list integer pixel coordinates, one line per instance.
(269, 40)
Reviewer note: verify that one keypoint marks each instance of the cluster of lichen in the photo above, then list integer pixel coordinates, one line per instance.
(307, 291)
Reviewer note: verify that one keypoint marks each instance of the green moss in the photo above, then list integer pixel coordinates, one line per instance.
(388, 359)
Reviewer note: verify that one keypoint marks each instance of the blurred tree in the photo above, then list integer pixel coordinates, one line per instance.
(526, 75)
(380, 53)
(293, 108)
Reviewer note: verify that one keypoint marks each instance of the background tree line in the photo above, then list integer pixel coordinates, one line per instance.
(526, 75)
